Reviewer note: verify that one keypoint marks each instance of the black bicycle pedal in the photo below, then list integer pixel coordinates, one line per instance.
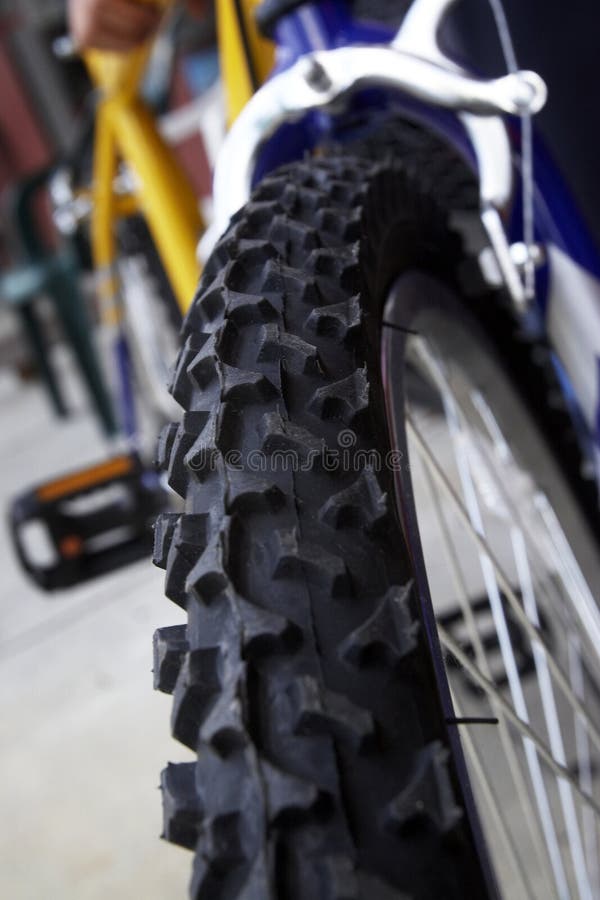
(88, 522)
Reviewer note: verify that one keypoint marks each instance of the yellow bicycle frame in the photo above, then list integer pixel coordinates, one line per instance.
(126, 131)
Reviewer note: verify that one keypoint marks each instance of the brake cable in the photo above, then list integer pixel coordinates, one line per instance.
(527, 173)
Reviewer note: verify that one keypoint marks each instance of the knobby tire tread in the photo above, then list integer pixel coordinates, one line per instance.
(304, 678)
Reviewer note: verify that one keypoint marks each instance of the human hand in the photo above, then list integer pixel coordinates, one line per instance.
(112, 24)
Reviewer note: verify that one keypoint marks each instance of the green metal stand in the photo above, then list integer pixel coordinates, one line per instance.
(56, 275)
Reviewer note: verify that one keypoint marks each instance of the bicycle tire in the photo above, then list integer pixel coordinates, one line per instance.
(304, 678)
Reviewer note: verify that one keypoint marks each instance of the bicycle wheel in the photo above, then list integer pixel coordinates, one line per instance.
(505, 556)
(309, 677)
(152, 320)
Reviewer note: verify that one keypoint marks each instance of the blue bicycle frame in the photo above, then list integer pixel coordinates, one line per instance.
(324, 57)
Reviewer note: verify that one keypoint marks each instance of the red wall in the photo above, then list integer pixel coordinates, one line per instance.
(23, 145)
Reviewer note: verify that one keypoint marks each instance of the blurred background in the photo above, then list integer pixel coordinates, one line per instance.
(83, 737)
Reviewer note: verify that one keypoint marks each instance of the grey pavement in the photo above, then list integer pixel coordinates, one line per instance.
(83, 736)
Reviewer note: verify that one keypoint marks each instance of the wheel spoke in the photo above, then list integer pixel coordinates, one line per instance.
(521, 556)
(513, 514)
(514, 613)
(461, 445)
(494, 808)
(504, 582)
(551, 716)
(584, 764)
(523, 727)
(576, 676)
(577, 592)
(514, 766)
(586, 607)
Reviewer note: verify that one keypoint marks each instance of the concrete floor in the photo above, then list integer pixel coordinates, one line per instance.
(83, 737)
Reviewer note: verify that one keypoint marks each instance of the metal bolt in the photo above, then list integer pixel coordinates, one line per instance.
(317, 77)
